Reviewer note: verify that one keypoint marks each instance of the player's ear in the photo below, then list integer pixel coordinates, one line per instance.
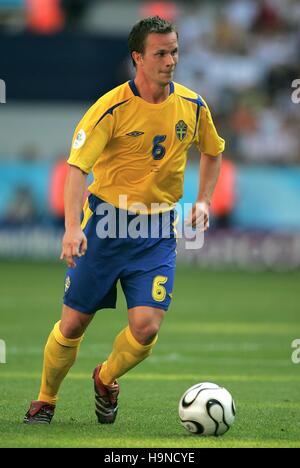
(137, 57)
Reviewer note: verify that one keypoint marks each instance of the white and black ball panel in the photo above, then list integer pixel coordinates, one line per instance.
(191, 394)
(215, 409)
(193, 426)
(228, 406)
(233, 408)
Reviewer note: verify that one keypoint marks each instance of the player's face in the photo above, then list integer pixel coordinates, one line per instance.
(160, 57)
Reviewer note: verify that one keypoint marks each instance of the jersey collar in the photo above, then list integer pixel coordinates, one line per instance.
(135, 90)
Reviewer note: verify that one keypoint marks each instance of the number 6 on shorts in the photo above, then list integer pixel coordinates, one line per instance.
(158, 290)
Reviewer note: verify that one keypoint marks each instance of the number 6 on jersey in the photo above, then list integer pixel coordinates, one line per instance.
(158, 150)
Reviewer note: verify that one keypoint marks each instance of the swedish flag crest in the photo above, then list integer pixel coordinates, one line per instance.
(181, 129)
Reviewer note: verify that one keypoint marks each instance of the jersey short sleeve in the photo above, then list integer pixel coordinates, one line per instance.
(91, 136)
(208, 140)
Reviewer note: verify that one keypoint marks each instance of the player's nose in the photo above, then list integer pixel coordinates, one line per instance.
(171, 60)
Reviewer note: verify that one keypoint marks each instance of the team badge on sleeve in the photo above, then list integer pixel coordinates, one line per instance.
(80, 139)
(181, 129)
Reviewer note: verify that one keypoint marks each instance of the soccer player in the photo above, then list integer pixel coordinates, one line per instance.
(135, 140)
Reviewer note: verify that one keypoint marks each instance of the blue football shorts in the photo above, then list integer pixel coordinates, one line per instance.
(138, 250)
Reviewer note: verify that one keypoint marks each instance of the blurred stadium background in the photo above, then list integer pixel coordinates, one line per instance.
(242, 56)
(59, 56)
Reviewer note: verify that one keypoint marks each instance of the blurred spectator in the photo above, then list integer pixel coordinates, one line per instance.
(21, 209)
(223, 200)
(241, 13)
(242, 119)
(12, 15)
(74, 11)
(44, 16)
(165, 9)
(274, 140)
(268, 17)
(56, 190)
(241, 57)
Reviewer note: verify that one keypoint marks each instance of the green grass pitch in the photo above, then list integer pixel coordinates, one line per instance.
(232, 328)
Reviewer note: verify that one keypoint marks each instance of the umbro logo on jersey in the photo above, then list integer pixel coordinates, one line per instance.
(135, 134)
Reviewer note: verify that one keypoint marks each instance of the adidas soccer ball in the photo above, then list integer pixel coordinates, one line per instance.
(207, 409)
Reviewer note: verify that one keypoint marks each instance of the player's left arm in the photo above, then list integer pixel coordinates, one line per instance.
(210, 167)
(211, 147)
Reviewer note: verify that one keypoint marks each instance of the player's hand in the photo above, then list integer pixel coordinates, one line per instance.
(74, 244)
(198, 216)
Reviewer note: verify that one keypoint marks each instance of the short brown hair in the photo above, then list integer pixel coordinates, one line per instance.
(138, 35)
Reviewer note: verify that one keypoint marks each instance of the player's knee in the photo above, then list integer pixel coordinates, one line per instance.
(146, 334)
(73, 323)
(72, 331)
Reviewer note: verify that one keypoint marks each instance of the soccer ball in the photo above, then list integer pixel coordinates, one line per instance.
(207, 409)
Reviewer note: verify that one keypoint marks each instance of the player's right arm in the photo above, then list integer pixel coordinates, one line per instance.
(74, 243)
(90, 138)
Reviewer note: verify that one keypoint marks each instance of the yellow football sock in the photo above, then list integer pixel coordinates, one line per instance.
(59, 356)
(127, 353)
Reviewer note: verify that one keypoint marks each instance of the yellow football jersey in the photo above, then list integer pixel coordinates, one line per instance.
(138, 149)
